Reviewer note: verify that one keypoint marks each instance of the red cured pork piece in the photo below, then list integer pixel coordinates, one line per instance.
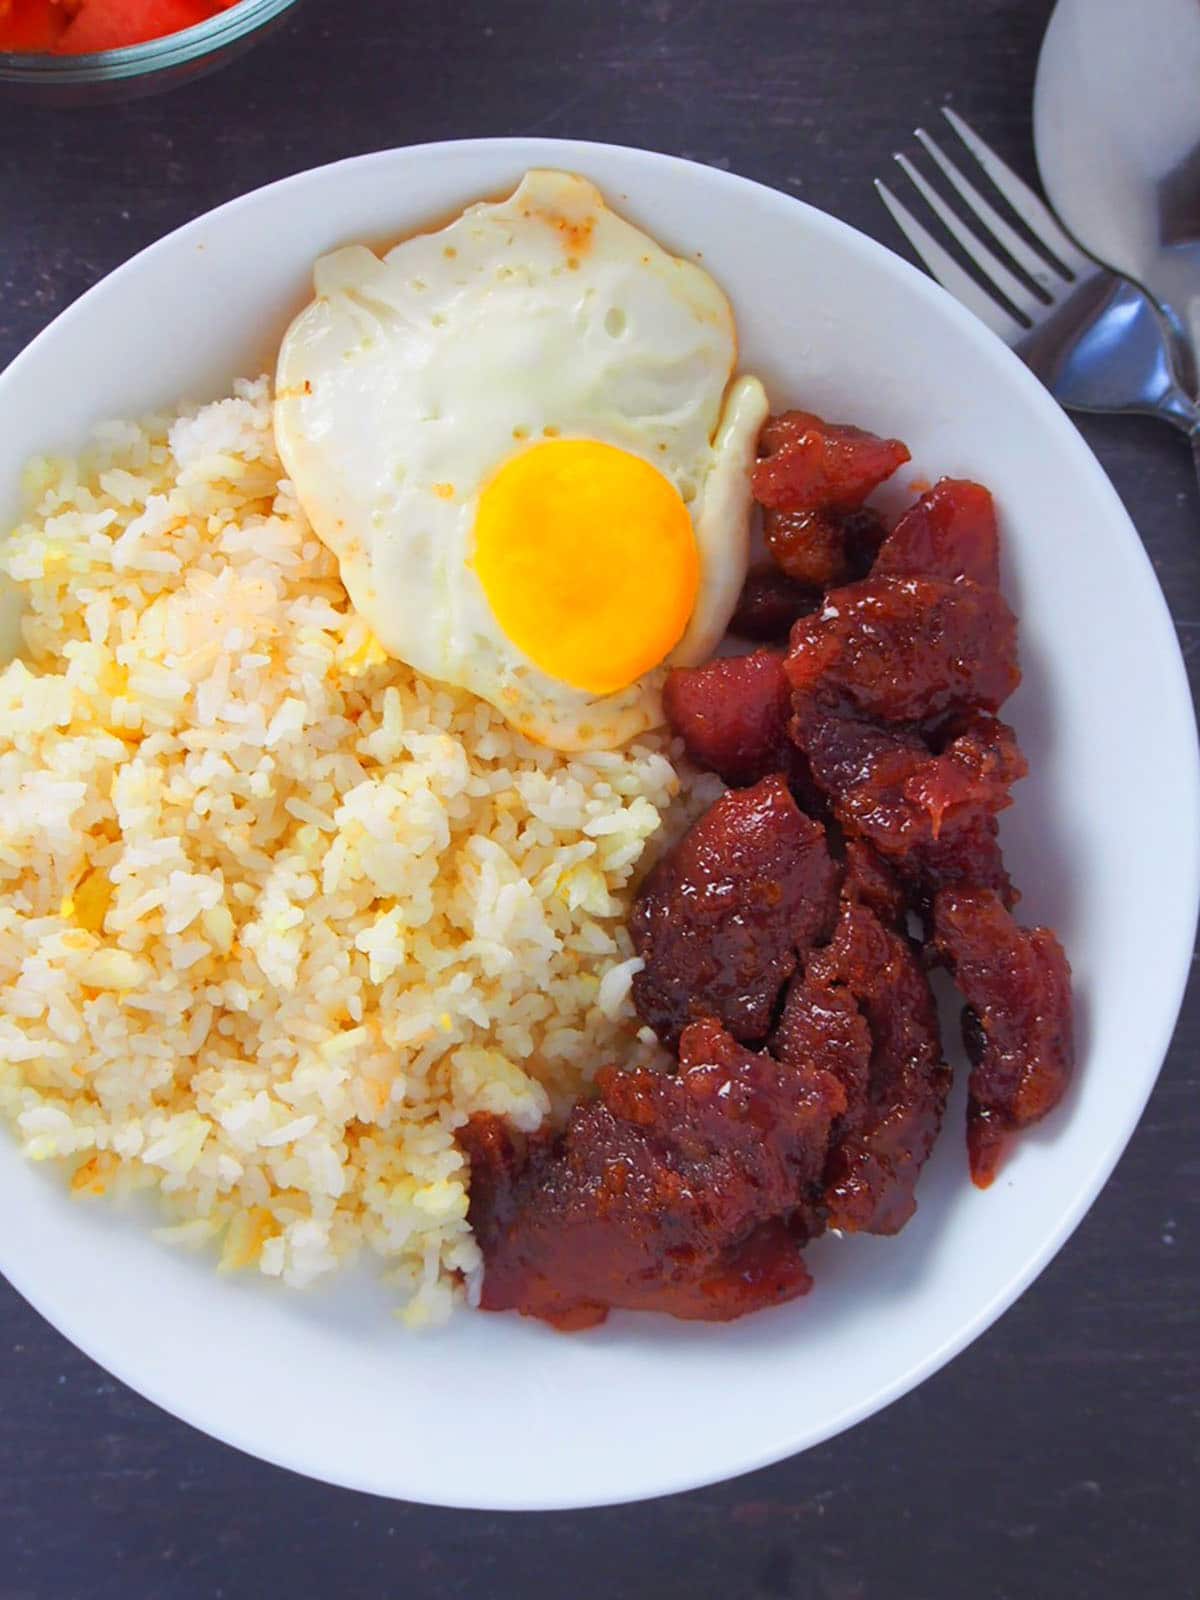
(721, 918)
(812, 465)
(732, 715)
(949, 533)
(891, 1067)
(683, 1192)
(1017, 1024)
(770, 602)
(888, 785)
(907, 650)
(824, 548)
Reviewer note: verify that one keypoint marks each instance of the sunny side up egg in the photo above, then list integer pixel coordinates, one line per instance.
(522, 438)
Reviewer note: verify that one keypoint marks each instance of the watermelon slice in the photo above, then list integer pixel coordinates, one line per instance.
(111, 24)
(30, 25)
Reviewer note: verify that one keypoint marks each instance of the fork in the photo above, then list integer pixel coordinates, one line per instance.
(1094, 339)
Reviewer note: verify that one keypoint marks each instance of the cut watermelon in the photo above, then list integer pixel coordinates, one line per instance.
(111, 24)
(30, 25)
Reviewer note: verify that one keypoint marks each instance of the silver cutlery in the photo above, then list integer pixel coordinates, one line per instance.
(1094, 339)
(1116, 118)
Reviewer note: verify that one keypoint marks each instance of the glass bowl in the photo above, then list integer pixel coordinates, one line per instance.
(141, 69)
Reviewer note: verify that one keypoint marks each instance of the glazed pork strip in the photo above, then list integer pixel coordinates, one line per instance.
(949, 533)
(688, 1193)
(864, 1008)
(907, 650)
(1017, 1023)
(723, 917)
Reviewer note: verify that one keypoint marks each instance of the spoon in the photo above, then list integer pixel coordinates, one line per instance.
(1116, 116)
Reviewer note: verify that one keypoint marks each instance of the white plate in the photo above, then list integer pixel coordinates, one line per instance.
(501, 1412)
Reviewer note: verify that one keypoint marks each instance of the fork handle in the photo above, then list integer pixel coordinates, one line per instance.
(1176, 406)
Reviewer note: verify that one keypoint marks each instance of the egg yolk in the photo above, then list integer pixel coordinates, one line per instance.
(588, 560)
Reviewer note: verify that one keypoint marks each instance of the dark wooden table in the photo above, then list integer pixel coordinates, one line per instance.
(1057, 1456)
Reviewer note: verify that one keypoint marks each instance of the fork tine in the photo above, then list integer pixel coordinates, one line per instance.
(990, 264)
(1045, 275)
(1033, 212)
(948, 272)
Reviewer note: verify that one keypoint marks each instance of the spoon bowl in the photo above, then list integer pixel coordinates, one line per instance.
(1116, 114)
